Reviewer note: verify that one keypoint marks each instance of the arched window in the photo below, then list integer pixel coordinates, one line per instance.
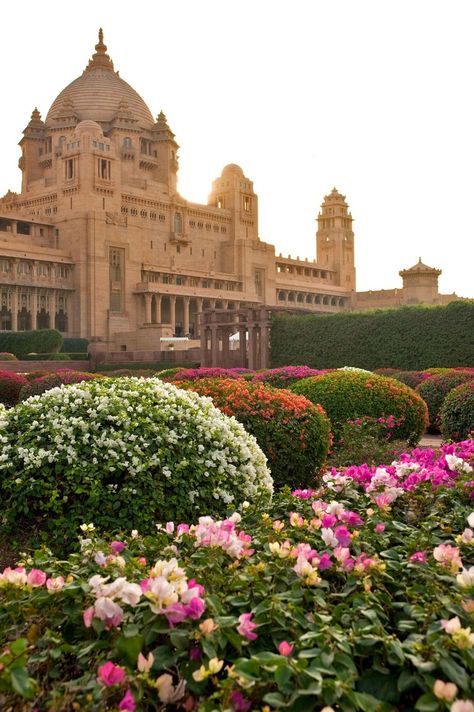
(178, 222)
(127, 142)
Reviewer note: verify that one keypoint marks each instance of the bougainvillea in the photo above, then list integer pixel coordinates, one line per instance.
(346, 395)
(434, 390)
(285, 375)
(194, 374)
(123, 452)
(357, 595)
(293, 433)
(10, 386)
(51, 380)
(457, 412)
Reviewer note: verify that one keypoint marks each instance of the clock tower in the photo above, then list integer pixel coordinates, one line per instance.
(335, 239)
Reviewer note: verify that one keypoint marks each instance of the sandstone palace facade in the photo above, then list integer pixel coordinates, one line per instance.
(100, 244)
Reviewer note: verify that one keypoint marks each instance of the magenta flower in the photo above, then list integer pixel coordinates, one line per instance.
(238, 702)
(117, 546)
(36, 577)
(127, 702)
(342, 535)
(419, 557)
(285, 648)
(87, 616)
(324, 562)
(379, 528)
(246, 626)
(110, 674)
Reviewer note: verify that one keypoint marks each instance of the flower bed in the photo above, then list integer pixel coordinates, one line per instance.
(293, 433)
(457, 412)
(434, 390)
(10, 386)
(122, 452)
(195, 374)
(356, 596)
(285, 375)
(66, 376)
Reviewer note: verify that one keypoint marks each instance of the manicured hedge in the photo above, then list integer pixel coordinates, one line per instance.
(434, 390)
(155, 365)
(346, 395)
(409, 338)
(10, 387)
(457, 412)
(71, 345)
(21, 343)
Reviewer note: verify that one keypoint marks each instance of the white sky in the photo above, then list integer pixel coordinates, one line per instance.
(371, 96)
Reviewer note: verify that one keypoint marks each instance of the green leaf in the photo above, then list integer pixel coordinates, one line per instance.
(248, 668)
(21, 683)
(427, 703)
(18, 646)
(454, 672)
(275, 700)
(130, 647)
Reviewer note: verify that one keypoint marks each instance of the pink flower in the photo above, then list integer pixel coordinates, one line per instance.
(117, 547)
(462, 706)
(342, 535)
(109, 674)
(87, 616)
(246, 626)
(448, 557)
(285, 648)
(238, 702)
(329, 520)
(55, 584)
(36, 577)
(127, 702)
(379, 528)
(419, 557)
(324, 562)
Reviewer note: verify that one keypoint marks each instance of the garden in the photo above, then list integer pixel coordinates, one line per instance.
(222, 539)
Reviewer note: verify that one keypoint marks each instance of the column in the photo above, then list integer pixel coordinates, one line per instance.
(243, 346)
(148, 298)
(34, 309)
(251, 345)
(264, 345)
(14, 309)
(199, 306)
(173, 313)
(158, 308)
(186, 301)
(214, 345)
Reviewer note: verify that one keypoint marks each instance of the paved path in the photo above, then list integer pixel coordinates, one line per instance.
(429, 440)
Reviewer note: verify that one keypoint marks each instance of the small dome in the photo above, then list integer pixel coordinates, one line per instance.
(98, 93)
(232, 168)
(89, 126)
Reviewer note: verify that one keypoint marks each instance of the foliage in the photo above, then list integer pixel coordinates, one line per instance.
(293, 433)
(10, 386)
(285, 375)
(22, 343)
(193, 374)
(74, 345)
(47, 357)
(168, 374)
(414, 337)
(435, 389)
(132, 365)
(51, 380)
(358, 596)
(346, 395)
(123, 452)
(366, 440)
(5, 356)
(457, 412)
(412, 378)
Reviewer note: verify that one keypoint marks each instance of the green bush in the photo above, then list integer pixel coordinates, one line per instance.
(156, 366)
(41, 384)
(22, 343)
(293, 433)
(457, 413)
(74, 345)
(123, 453)
(47, 357)
(434, 390)
(409, 338)
(346, 395)
(5, 356)
(10, 386)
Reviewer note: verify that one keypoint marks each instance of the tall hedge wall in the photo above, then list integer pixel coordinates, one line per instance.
(22, 343)
(409, 338)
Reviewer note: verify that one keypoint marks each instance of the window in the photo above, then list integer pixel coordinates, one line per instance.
(43, 269)
(127, 142)
(116, 275)
(259, 277)
(220, 201)
(24, 268)
(103, 169)
(247, 204)
(5, 266)
(69, 168)
(178, 222)
(62, 271)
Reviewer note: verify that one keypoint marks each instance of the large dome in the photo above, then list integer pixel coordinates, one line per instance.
(99, 93)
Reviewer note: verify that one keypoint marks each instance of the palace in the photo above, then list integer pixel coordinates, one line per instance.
(99, 243)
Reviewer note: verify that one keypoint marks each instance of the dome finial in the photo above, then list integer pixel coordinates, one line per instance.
(100, 59)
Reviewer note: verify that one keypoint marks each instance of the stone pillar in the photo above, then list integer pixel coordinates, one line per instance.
(148, 298)
(158, 308)
(214, 345)
(243, 346)
(199, 304)
(204, 350)
(251, 345)
(15, 309)
(186, 301)
(34, 309)
(264, 345)
(226, 332)
(173, 313)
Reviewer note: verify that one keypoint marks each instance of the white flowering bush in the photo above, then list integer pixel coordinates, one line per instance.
(123, 453)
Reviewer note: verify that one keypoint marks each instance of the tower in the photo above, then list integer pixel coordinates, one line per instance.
(335, 239)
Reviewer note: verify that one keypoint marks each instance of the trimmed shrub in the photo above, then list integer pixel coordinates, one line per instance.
(52, 380)
(387, 371)
(434, 390)
(46, 357)
(412, 378)
(74, 345)
(10, 386)
(410, 337)
(22, 343)
(346, 395)
(457, 413)
(285, 375)
(293, 433)
(5, 356)
(167, 374)
(193, 374)
(123, 452)
(139, 365)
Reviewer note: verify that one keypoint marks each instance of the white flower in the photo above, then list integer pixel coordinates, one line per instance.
(470, 519)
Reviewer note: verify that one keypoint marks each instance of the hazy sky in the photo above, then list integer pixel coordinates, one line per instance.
(371, 96)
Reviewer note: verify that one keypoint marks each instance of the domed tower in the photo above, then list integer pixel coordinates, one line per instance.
(335, 239)
(233, 191)
(420, 284)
